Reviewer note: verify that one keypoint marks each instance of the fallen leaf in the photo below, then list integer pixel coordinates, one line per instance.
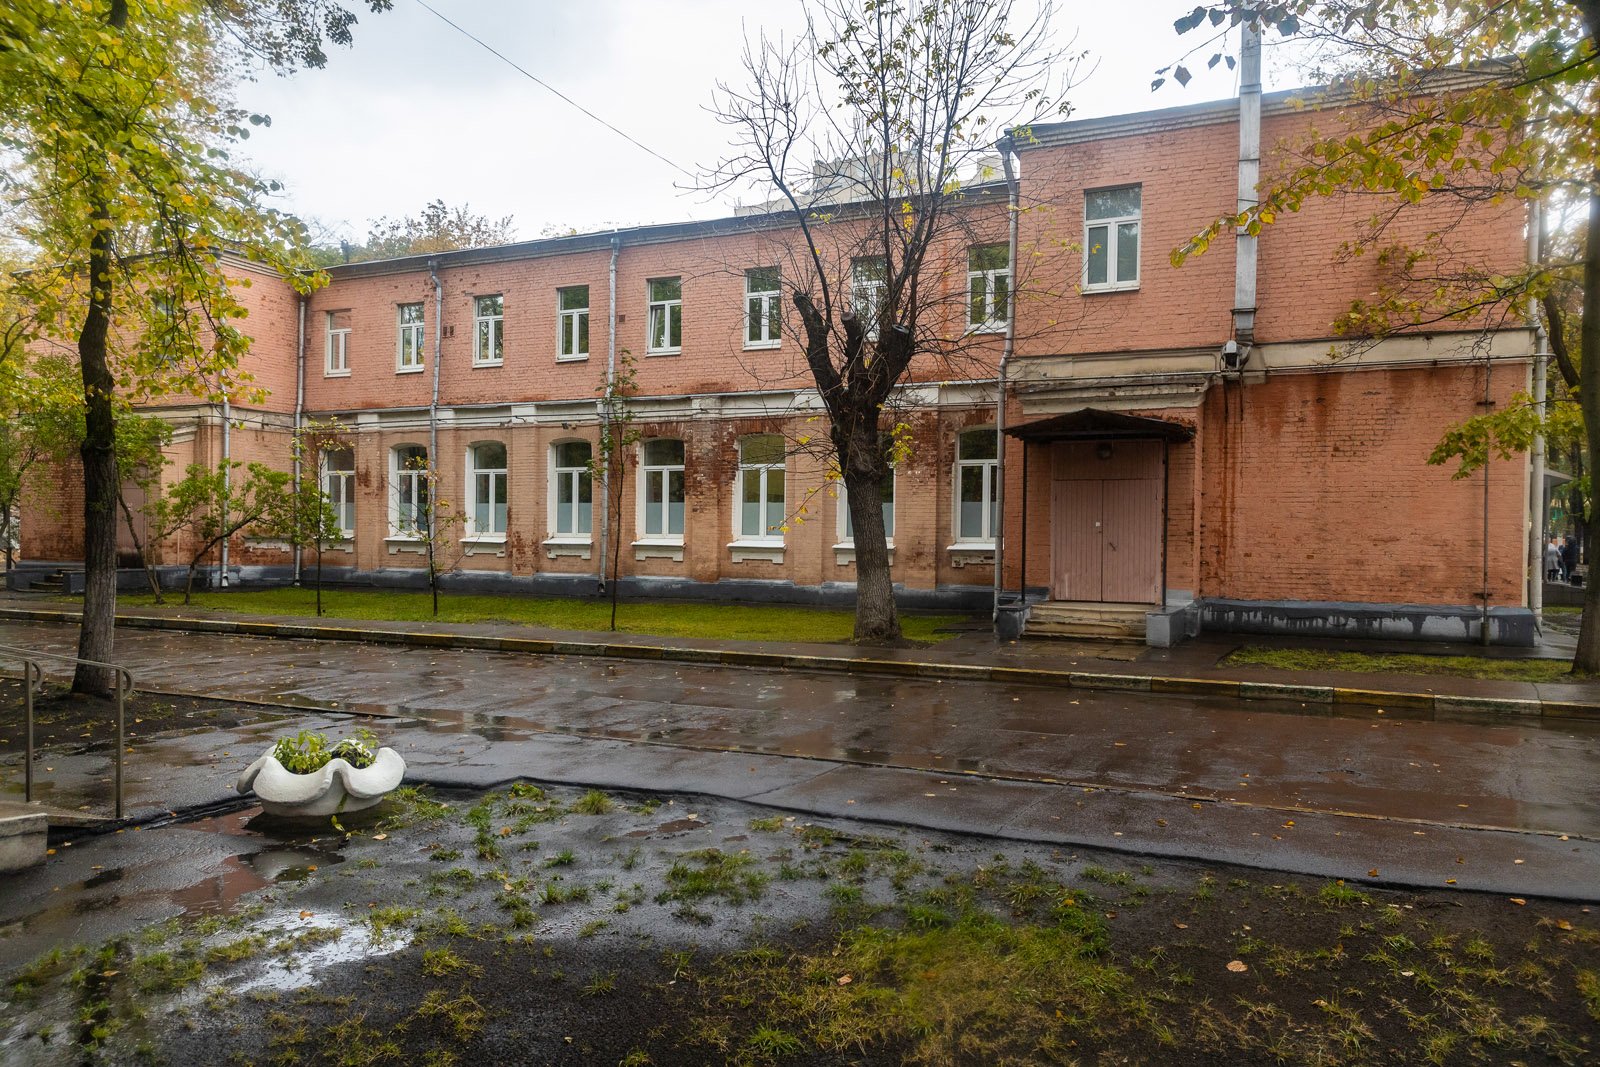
(1373, 873)
(1518, 901)
(1238, 966)
(1180, 926)
(306, 914)
(109, 974)
(1517, 861)
(505, 831)
(1562, 924)
(845, 979)
(380, 837)
(1449, 881)
(308, 868)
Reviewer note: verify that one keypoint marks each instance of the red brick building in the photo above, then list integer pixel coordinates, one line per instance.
(1179, 443)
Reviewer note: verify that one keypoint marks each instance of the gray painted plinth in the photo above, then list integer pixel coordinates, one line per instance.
(23, 839)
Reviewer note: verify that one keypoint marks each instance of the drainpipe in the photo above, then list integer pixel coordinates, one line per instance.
(1536, 531)
(227, 484)
(299, 417)
(1244, 267)
(1007, 147)
(605, 401)
(433, 402)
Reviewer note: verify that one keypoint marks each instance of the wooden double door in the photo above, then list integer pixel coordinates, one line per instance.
(1106, 532)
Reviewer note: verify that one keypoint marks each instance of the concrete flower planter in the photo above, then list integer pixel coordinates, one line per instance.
(336, 788)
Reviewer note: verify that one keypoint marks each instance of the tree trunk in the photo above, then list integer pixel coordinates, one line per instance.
(100, 482)
(138, 546)
(1587, 660)
(615, 517)
(319, 577)
(876, 616)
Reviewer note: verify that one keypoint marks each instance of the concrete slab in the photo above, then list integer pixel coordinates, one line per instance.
(24, 834)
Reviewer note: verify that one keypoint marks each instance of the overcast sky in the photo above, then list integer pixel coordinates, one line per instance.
(415, 110)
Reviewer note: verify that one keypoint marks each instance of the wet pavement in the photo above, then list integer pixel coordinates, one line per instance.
(1352, 792)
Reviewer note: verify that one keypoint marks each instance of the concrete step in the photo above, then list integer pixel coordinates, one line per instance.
(24, 836)
(1106, 622)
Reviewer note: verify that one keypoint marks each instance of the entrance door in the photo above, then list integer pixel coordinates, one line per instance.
(1105, 521)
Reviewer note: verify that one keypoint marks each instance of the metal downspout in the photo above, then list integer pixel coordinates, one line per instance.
(433, 401)
(1007, 149)
(227, 485)
(1536, 524)
(299, 417)
(1245, 251)
(605, 404)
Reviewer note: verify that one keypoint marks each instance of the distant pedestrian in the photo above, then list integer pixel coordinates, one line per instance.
(1569, 556)
(1552, 561)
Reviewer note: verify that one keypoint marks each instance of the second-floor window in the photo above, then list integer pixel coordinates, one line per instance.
(338, 363)
(666, 315)
(490, 337)
(763, 295)
(988, 287)
(867, 278)
(1111, 237)
(339, 486)
(572, 309)
(408, 357)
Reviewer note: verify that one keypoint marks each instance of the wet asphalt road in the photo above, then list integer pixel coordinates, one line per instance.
(879, 745)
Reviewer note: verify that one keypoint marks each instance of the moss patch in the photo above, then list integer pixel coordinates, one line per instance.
(1312, 659)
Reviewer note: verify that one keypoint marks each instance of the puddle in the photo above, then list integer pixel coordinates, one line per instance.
(320, 940)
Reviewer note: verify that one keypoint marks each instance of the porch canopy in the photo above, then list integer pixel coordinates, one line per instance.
(1095, 424)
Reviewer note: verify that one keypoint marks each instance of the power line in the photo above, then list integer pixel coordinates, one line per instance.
(514, 65)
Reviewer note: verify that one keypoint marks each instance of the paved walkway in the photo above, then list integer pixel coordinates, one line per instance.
(1357, 793)
(1193, 666)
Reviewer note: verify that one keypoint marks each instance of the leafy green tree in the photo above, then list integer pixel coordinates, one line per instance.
(437, 228)
(311, 519)
(609, 467)
(117, 136)
(908, 101)
(1480, 103)
(209, 505)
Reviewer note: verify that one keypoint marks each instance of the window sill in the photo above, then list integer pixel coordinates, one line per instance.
(755, 346)
(487, 363)
(484, 544)
(578, 547)
(757, 551)
(988, 327)
(406, 542)
(844, 553)
(582, 357)
(658, 548)
(664, 351)
(971, 553)
(1120, 287)
(409, 370)
(336, 374)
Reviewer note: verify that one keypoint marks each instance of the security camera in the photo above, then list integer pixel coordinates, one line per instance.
(1232, 357)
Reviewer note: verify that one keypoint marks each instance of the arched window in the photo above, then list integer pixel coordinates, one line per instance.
(486, 488)
(571, 489)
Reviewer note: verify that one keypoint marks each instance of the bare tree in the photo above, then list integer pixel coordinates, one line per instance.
(867, 132)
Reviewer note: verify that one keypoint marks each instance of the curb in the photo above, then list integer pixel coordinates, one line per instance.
(1442, 705)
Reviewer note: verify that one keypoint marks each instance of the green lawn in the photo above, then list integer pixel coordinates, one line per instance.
(1307, 659)
(679, 619)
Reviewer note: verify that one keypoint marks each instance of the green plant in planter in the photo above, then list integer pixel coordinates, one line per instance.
(309, 751)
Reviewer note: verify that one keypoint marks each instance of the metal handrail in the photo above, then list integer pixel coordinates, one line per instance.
(33, 673)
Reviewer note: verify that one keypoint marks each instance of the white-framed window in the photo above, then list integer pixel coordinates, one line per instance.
(408, 491)
(976, 471)
(571, 489)
(868, 276)
(761, 470)
(572, 315)
(486, 488)
(988, 288)
(489, 321)
(847, 533)
(1111, 237)
(339, 486)
(410, 347)
(666, 315)
(763, 296)
(338, 361)
(661, 489)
